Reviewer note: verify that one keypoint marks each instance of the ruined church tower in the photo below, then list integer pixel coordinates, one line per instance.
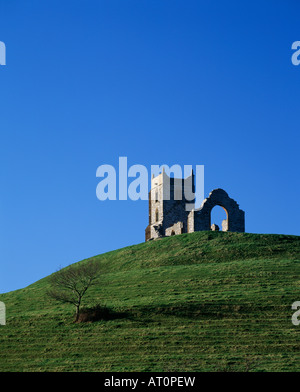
(167, 206)
(172, 208)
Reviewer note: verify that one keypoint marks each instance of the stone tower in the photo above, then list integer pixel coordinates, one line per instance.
(167, 205)
(168, 215)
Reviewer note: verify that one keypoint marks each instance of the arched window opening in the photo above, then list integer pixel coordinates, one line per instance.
(219, 219)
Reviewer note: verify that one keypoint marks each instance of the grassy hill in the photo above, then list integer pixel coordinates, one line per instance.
(204, 301)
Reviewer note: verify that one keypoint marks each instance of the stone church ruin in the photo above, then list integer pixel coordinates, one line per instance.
(168, 215)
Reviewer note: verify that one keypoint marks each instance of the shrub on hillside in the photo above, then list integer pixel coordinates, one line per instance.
(95, 313)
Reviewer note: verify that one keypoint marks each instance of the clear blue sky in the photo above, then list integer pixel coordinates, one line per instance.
(187, 82)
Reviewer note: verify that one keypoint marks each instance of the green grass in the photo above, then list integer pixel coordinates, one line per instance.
(204, 301)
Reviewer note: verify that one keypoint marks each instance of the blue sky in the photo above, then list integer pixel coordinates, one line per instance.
(185, 82)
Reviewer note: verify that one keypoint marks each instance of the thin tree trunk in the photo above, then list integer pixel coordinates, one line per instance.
(77, 312)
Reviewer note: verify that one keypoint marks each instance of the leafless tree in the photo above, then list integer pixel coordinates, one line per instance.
(68, 285)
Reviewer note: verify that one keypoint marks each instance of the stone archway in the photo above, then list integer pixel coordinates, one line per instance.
(224, 222)
(235, 216)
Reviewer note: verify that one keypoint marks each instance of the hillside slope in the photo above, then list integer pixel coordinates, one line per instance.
(204, 301)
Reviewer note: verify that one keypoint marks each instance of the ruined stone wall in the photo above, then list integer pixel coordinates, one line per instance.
(156, 204)
(191, 222)
(177, 228)
(168, 215)
(235, 216)
(174, 209)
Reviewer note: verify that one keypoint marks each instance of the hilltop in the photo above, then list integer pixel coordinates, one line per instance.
(203, 301)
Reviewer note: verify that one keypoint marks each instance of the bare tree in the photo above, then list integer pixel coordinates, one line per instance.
(69, 285)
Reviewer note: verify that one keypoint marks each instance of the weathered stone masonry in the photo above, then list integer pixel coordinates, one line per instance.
(168, 215)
